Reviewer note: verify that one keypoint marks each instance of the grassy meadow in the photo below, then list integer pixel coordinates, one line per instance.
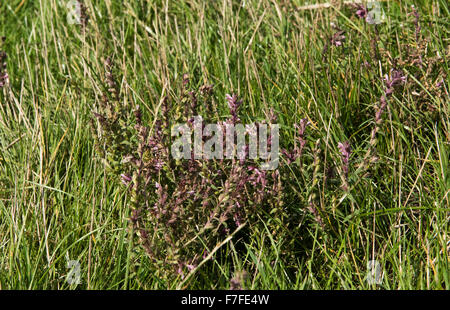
(372, 181)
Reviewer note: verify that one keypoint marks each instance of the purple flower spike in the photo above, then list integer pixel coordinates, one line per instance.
(361, 11)
(396, 78)
(344, 149)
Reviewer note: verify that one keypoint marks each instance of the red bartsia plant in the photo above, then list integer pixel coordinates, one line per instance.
(238, 281)
(426, 70)
(181, 208)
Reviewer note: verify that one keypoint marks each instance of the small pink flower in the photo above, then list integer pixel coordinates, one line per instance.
(361, 12)
(126, 179)
(338, 38)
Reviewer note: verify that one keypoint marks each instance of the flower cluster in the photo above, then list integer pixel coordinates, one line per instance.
(344, 149)
(233, 104)
(395, 78)
(181, 209)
